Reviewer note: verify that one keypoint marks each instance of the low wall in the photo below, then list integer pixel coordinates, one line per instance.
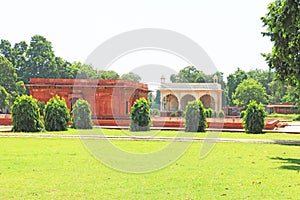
(5, 119)
(226, 123)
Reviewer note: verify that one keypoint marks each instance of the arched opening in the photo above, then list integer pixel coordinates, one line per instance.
(185, 99)
(208, 101)
(171, 103)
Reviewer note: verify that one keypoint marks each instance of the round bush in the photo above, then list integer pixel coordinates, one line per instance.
(140, 115)
(82, 115)
(213, 113)
(254, 118)
(208, 112)
(221, 114)
(56, 114)
(195, 120)
(173, 114)
(26, 115)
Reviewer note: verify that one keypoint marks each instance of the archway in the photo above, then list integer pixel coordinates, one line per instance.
(171, 103)
(208, 101)
(185, 99)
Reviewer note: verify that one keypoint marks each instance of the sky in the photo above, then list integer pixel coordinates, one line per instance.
(228, 31)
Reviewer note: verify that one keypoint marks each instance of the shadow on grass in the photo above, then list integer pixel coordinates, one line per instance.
(289, 163)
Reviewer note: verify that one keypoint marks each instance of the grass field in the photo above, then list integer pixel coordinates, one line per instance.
(53, 168)
(159, 133)
(285, 117)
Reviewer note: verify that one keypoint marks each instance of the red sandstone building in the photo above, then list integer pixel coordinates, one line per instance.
(108, 98)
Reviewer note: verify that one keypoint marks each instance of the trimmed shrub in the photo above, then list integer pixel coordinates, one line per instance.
(82, 115)
(173, 114)
(195, 120)
(56, 114)
(242, 114)
(179, 113)
(208, 112)
(254, 118)
(140, 115)
(213, 113)
(221, 114)
(26, 115)
(41, 106)
(154, 112)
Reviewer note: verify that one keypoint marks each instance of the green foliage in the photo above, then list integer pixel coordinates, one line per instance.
(233, 80)
(56, 114)
(195, 120)
(242, 114)
(26, 115)
(108, 75)
(189, 74)
(157, 99)
(82, 115)
(207, 112)
(254, 118)
(213, 114)
(154, 112)
(41, 106)
(40, 60)
(283, 24)
(221, 114)
(249, 90)
(8, 75)
(210, 113)
(131, 77)
(173, 114)
(4, 97)
(140, 115)
(179, 113)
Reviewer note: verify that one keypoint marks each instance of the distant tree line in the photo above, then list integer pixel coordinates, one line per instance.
(241, 87)
(22, 61)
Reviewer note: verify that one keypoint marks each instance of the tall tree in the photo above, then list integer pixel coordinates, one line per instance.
(19, 58)
(189, 74)
(248, 90)
(283, 28)
(41, 60)
(233, 80)
(6, 49)
(8, 75)
(80, 70)
(131, 77)
(4, 98)
(108, 75)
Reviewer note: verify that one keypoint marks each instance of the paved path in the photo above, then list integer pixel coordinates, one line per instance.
(147, 138)
(294, 128)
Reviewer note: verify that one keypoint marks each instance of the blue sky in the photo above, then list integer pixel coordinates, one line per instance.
(229, 31)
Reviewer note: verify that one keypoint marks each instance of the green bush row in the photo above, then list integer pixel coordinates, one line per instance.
(27, 115)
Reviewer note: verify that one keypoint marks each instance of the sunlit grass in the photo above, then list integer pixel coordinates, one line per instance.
(43, 168)
(168, 133)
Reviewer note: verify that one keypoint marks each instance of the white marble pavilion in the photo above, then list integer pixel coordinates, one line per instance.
(175, 96)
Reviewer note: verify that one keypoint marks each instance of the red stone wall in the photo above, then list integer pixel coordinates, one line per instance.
(108, 98)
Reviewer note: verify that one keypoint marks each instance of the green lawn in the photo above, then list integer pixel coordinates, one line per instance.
(284, 117)
(159, 133)
(43, 168)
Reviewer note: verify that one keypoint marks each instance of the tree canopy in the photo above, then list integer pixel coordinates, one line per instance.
(248, 90)
(189, 74)
(8, 75)
(282, 23)
(131, 77)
